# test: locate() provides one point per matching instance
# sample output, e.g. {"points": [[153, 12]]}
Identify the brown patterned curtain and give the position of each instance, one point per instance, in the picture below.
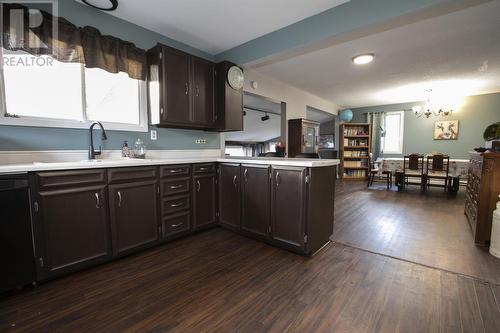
{"points": [[69, 43]]}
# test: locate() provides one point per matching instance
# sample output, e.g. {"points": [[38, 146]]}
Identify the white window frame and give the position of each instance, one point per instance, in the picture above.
{"points": [[68, 123], [401, 133]]}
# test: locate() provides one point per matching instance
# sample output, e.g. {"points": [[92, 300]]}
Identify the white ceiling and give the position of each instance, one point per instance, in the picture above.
{"points": [[217, 25], [455, 54]]}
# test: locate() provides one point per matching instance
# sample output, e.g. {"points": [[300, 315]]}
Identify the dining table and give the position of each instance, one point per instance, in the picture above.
{"points": [[458, 169]]}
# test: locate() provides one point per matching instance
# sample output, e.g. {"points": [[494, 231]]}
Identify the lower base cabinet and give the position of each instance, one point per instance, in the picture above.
{"points": [[204, 201], [134, 215], [288, 207], [255, 200], [229, 196], [70, 221]]}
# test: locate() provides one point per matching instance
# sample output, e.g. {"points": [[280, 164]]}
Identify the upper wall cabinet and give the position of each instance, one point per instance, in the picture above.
{"points": [[229, 97], [184, 93], [181, 89]]}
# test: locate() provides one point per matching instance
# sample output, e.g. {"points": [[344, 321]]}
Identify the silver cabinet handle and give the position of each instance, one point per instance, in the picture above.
{"points": [[197, 91], [176, 205], [177, 225], [176, 170], [119, 199], [245, 175], [175, 187], [97, 201], [198, 186], [202, 169], [234, 181], [277, 178], [187, 88]]}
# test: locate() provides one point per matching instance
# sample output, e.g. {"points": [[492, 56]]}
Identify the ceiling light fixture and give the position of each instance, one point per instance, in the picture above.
{"points": [[363, 59], [430, 109], [266, 117], [107, 5]]}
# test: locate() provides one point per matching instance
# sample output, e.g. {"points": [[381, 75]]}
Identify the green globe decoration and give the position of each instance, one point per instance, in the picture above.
{"points": [[346, 115], [492, 132]]}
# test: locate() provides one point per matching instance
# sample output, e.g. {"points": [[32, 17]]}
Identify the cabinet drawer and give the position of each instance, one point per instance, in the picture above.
{"points": [[175, 224], [119, 175], [174, 170], [204, 168], [172, 186], [172, 205], [55, 179]]}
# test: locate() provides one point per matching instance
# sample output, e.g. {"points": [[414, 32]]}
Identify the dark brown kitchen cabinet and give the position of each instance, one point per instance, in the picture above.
{"points": [[255, 203], [229, 101], [181, 89], [288, 207], [203, 85], [229, 195], [71, 226], [204, 200], [134, 215], [303, 137]]}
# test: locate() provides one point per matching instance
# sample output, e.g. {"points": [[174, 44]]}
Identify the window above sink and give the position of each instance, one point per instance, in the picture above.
{"points": [[41, 91]]}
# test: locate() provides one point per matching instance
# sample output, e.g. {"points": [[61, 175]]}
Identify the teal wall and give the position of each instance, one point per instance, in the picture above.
{"points": [[474, 116], [39, 138]]}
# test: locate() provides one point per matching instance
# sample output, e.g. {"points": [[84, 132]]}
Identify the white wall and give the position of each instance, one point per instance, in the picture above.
{"points": [[296, 100]]}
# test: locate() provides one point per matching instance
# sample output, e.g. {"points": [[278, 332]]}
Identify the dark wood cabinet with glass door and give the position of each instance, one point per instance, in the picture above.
{"points": [[303, 137]]}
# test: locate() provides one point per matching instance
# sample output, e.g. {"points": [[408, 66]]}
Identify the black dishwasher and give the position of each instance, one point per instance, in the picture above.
{"points": [[16, 245]]}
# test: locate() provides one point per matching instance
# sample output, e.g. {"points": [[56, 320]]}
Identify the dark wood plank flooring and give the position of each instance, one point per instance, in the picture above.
{"points": [[429, 228], [218, 281]]}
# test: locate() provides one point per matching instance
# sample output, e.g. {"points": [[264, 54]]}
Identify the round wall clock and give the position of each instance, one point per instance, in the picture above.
{"points": [[235, 77]]}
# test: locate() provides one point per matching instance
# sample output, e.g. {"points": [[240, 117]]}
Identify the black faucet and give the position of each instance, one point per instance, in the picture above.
{"points": [[92, 152]]}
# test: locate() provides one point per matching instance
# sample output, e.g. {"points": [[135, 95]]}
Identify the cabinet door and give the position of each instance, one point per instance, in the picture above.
{"points": [[255, 203], [204, 200], [74, 229], [288, 207], [229, 195], [203, 92], [175, 84], [134, 215]]}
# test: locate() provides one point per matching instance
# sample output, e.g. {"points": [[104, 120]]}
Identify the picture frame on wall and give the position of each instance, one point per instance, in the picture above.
{"points": [[446, 130], [327, 141]]}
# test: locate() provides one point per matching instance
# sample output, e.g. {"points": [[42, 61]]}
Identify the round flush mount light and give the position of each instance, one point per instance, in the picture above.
{"points": [[363, 59], [107, 5]]}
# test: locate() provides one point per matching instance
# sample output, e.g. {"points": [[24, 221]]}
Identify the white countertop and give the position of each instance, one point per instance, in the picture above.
{"points": [[115, 163]]}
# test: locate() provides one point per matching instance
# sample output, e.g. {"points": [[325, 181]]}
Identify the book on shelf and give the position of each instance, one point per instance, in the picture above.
{"points": [[355, 153], [354, 173], [355, 130], [355, 164], [355, 142]]}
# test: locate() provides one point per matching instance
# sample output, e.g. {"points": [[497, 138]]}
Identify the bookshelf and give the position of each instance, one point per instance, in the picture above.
{"points": [[355, 143]]}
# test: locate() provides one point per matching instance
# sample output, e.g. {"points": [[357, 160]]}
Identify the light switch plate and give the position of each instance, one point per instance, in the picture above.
{"points": [[201, 141], [154, 135]]}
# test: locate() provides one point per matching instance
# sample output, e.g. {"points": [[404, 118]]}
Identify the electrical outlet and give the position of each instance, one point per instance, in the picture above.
{"points": [[154, 135], [201, 141]]}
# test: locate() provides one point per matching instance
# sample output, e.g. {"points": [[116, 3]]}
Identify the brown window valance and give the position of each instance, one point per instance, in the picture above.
{"points": [[71, 44]]}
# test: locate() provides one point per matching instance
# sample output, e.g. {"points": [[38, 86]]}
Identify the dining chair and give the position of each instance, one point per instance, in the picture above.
{"points": [[413, 168], [376, 174], [438, 168]]}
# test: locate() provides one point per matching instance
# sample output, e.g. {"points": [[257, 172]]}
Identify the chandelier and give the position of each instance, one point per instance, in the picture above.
{"points": [[429, 110]]}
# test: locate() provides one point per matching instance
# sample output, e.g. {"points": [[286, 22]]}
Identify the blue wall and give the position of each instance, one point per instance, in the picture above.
{"points": [[474, 116], [39, 138]]}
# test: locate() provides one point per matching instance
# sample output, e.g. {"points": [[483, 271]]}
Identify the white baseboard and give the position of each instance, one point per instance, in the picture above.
{"points": [[26, 157]]}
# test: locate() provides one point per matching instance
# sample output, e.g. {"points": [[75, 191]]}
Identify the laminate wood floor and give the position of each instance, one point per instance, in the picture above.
{"points": [[218, 281], [429, 229]]}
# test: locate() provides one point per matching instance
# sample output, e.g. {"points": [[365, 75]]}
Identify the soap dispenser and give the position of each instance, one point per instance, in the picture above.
{"points": [[125, 150]]}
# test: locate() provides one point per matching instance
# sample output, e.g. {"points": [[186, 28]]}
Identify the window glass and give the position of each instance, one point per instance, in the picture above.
{"points": [[111, 97], [393, 140], [40, 86]]}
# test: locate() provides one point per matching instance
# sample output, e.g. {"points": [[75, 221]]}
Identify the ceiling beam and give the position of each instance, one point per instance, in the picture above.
{"points": [[349, 21]]}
